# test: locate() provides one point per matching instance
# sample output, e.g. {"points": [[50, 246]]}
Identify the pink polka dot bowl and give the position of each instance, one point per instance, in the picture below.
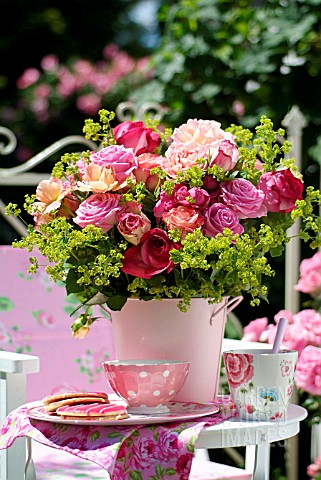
{"points": [[146, 385]]}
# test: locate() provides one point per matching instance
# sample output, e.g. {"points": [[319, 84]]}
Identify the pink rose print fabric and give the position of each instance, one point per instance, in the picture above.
{"points": [[239, 368], [131, 451]]}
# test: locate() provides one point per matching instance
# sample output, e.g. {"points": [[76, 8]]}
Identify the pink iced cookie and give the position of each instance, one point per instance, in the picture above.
{"points": [[99, 411]]}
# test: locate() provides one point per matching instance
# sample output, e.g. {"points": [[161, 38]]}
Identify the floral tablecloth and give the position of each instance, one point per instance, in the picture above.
{"points": [[135, 452]]}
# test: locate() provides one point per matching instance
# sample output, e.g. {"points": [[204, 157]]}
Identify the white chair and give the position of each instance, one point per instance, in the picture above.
{"points": [[14, 368]]}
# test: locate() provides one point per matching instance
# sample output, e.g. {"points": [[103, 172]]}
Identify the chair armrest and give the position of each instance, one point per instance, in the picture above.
{"points": [[11, 362]]}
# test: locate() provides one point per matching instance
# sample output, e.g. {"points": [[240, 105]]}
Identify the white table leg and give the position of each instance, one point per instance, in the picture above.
{"points": [[262, 462], [30, 473]]}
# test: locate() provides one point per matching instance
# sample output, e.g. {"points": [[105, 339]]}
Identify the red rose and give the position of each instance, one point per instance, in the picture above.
{"points": [[239, 368], [150, 256], [281, 189], [135, 135]]}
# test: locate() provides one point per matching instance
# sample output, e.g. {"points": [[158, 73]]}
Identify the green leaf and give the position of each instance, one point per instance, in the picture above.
{"points": [[170, 471], [135, 475], [94, 436], [116, 302], [160, 470]]}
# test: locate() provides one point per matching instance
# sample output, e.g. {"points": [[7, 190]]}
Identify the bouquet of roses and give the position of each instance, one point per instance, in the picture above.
{"points": [[157, 214]]}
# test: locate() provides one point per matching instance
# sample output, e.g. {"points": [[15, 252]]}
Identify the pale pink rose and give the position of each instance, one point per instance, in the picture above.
{"points": [[67, 82], [309, 322], [121, 159], [145, 162], [181, 157], [284, 314], [252, 332], [51, 192], [186, 219], [239, 368], [99, 179], [101, 209], [200, 133], [225, 155], [218, 217], [243, 198], [308, 370], [28, 78], [282, 189], [133, 226]]}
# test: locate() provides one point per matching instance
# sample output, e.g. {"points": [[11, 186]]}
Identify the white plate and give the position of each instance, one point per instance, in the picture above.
{"points": [[178, 411]]}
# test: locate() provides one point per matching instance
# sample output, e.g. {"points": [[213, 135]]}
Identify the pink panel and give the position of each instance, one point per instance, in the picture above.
{"points": [[35, 319]]}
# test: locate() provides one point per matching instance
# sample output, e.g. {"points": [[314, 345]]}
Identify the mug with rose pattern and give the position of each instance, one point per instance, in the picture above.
{"points": [[260, 382]]}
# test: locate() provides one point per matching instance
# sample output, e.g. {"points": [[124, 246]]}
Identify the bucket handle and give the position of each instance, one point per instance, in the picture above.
{"points": [[230, 305]]}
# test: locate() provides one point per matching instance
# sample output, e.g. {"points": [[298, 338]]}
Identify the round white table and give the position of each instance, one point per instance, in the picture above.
{"points": [[255, 435]]}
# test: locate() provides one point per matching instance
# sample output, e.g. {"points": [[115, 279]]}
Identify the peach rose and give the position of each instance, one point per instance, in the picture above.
{"points": [[51, 192], [186, 219], [145, 162], [180, 158], [99, 179]]}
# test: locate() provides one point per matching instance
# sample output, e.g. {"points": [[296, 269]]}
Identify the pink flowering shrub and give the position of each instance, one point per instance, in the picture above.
{"points": [[46, 92]]}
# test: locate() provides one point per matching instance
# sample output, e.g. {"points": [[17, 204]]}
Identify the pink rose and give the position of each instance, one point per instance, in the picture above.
{"points": [[194, 197], [133, 226], [310, 276], [145, 162], [243, 198], [181, 157], [135, 135], [308, 370], [225, 155], [186, 219], [239, 368], [120, 159], [282, 189], [101, 210], [218, 217], [309, 321], [28, 78], [168, 445], [150, 256], [144, 451], [252, 332], [200, 133]]}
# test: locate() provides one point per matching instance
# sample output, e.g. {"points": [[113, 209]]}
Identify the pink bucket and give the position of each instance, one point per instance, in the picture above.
{"points": [[157, 329]]}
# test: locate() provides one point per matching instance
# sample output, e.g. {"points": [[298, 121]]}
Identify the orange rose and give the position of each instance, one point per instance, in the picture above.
{"points": [[186, 219]]}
